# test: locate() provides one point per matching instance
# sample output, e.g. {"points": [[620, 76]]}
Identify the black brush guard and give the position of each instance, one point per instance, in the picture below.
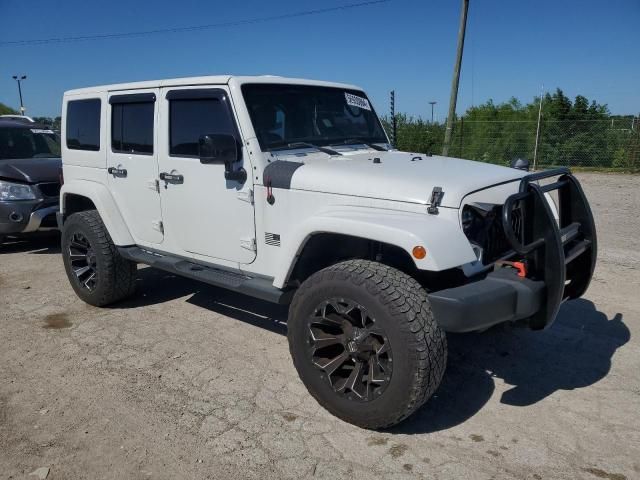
{"points": [[560, 257]]}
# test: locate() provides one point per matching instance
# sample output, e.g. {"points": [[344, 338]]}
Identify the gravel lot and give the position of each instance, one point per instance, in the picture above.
{"points": [[189, 381]]}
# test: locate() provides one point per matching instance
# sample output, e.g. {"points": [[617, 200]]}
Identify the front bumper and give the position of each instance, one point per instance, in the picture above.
{"points": [[560, 258], [27, 216], [501, 297]]}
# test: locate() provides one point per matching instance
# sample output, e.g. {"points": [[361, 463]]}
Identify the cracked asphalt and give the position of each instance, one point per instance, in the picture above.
{"points": [[189, 381]]}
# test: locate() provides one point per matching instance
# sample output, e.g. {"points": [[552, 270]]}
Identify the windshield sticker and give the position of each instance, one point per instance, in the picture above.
{"points": [[40, 130], [356, 101]]}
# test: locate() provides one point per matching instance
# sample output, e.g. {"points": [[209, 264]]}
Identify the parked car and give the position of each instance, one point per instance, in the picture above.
{"points": [[288, 190], [30, 168], [18, 118]]}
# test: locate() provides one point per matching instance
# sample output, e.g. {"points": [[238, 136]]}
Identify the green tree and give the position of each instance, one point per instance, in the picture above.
{"points": [[53, 123], [5, 110]]}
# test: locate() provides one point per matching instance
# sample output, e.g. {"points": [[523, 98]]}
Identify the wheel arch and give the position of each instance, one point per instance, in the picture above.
{"points": [[329, 237], [78, 196], [323, 249]]}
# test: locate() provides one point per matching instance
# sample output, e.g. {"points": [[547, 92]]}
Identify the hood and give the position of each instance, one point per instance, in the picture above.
{"points": [[31, 170], [399, 176]]}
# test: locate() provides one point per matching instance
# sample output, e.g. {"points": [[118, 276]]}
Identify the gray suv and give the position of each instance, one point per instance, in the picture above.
{"points": [[30, 168]]}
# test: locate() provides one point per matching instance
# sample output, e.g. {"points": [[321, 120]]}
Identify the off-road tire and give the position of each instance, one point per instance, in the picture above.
{"points": [[116, 276], [400, 305]]}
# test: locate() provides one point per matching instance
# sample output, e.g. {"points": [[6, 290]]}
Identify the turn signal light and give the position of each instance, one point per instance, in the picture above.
{"points": [[419, 252]]}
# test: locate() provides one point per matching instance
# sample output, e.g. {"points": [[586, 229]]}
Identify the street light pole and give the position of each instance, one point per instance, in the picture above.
{"points": [[432, 104], [19, 79]]}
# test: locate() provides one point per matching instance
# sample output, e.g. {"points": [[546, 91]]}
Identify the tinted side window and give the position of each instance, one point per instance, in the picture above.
{"points": [[83, 124], [132, 127], [191, 118]]}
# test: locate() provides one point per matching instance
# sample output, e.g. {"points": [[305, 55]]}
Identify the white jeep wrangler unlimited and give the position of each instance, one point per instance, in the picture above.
{"points": [[288, 190]]}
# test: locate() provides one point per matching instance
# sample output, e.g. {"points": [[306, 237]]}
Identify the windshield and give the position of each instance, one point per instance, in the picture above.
{"points": [[18, 142], [289, 114]]}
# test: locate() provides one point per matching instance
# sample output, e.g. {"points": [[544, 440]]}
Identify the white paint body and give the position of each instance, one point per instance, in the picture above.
{"points": [[213, 220]]}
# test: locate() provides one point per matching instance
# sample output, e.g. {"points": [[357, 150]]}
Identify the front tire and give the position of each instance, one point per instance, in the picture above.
{"points": [[365, 343], [96, 271]]}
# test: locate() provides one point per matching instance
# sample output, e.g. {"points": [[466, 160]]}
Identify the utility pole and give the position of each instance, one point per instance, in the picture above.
{"points": [[20, 79], [393, 118], [432, 104], [535, 148], [456, 78]]}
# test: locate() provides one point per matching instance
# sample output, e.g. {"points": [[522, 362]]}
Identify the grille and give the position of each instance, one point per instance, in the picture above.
{"points": [[495, 241], [272, 239], [51, 189]]}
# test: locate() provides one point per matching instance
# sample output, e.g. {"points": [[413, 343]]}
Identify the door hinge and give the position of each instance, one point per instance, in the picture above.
{"points": [[158, 226], [248, 243], [154, 185], [246, 196]]}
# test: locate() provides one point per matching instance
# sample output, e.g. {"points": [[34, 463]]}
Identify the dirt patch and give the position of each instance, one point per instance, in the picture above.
{"points": [[398, 450], [476, 438], [57, 321], [377, 441], [289, 417], [602, 474]]}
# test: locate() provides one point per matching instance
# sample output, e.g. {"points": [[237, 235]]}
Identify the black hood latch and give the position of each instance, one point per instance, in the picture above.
{"points": [[436, 200]]}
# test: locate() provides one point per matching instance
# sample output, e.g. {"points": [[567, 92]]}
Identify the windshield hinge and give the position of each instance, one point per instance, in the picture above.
{"points": [[436, 200], [158, 226], [246, 196], [248, 243]]}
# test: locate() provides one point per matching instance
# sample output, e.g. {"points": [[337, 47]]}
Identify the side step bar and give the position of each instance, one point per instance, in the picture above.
{"points": [[261, 288]]}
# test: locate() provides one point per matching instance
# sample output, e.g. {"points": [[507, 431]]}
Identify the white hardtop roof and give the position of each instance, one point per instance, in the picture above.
{"points": [[206, 80]]}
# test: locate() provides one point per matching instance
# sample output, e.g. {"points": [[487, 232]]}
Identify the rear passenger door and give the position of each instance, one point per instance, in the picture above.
{"points": [[132, 162]]}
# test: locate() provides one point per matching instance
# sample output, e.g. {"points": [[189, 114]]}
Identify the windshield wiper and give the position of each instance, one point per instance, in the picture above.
{"points": [[326, 150], [350, 141]]}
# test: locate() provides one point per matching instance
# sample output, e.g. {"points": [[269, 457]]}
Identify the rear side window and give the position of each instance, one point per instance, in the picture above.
{"points": [[83, 124], [132, 127], [191, 118]]}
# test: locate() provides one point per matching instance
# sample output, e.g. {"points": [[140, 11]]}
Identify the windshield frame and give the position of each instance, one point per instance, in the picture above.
{"points": [[316, 140]]}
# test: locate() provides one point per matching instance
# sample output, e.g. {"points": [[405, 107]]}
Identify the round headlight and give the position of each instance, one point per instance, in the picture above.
{"points": [[467, 219]]}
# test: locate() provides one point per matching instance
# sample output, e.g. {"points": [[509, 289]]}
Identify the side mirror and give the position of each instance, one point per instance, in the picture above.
{"points": [[221, 148], [520, 164]]}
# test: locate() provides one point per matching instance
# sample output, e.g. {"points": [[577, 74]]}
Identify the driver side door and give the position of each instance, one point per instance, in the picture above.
{"points": [[203, 213]]}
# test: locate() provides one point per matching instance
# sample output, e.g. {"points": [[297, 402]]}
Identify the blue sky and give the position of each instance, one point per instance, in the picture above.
{"points": [[585, 47]]}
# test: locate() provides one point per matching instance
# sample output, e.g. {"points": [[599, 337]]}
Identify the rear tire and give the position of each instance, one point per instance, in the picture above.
{"points": [[96, 271], [377, 322]]}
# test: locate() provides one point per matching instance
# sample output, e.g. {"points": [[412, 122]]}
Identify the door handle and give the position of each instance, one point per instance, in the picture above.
{"points": [[171, 178], [117, 172]]}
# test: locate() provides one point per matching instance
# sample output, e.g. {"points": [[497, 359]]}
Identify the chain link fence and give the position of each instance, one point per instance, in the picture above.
{"points": [[610, 144]]}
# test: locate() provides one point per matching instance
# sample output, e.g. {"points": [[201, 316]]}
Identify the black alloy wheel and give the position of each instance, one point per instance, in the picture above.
{"points": [[349, 349], [83, 261]]}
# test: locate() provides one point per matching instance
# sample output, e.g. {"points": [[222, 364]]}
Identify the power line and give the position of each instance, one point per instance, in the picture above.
{"points": [[235, 23]]}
